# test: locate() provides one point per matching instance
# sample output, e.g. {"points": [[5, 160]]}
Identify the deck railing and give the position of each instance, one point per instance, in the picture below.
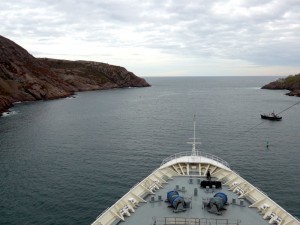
{"points": [[102, 213], [193, 221], [197, 153]]}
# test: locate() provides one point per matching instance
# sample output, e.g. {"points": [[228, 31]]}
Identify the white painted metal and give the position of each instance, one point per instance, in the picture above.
{"points": [[127, 205], [194, 138], [180, 164]]}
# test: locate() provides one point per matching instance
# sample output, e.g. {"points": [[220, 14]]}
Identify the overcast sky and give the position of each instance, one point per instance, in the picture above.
{"points": [[162, 38]]}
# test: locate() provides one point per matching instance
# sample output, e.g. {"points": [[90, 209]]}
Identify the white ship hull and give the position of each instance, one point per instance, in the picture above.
{"points": [[195, 188], [255, 206]]}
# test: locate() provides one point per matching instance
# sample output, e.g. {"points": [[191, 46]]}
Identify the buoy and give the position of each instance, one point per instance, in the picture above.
{"points": [[267, 144]]}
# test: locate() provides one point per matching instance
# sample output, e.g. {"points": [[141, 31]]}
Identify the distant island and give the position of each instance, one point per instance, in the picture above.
{"points": [[291, 83], [26, 78]]}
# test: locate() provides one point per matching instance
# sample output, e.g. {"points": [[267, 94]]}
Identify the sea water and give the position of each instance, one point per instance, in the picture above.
{"points": [[65, 161]]}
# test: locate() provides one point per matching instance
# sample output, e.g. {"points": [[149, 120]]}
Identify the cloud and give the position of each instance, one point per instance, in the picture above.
{"points": [[259, 33]]}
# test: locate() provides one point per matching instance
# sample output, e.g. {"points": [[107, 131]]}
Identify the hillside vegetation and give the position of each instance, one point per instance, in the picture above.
{"points": [[291, 83]]}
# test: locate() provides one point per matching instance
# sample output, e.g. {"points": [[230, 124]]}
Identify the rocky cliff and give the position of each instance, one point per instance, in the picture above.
{"points": [[26, 78], [291, 83], [88, 75]]}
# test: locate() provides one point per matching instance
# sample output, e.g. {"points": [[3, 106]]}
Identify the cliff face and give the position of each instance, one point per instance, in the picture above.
{"points": [[291, 83], [88, 75], [26, 78]]}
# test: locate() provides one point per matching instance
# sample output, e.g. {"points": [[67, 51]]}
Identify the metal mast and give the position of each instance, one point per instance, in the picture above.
{"points": [[194, 139]]}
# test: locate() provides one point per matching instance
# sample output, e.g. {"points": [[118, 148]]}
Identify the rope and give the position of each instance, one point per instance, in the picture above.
{"points": [[244, 132], [288, 108]]}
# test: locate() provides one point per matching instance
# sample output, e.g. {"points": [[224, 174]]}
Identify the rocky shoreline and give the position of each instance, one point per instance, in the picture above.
{"points": [[291, 83], [26, 78]]}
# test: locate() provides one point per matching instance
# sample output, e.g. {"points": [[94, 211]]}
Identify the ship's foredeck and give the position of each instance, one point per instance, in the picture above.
{"points": [[145, 203], [157, 212]]}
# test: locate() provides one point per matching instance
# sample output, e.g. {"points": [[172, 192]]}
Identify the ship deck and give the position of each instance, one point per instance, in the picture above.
{"points": [[145, 203], [158, 213]]}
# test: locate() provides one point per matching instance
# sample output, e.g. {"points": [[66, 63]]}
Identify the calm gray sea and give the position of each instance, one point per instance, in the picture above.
{"points": [[65, 161]]}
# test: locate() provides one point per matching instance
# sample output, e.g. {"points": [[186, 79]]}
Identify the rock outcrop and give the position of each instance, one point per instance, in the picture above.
{"points": [[291, 83], [26, 78], [88, 75]]}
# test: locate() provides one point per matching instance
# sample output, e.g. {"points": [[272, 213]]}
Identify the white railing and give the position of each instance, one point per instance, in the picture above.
{"points": [[197, 153], [193, 221], [102, 213]]}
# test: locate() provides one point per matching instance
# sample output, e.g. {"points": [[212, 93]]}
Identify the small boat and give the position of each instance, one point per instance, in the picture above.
{"points": [[271, 116]]}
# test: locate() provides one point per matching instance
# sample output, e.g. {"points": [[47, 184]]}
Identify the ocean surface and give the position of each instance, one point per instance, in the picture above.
{"points": [[65, 161]]}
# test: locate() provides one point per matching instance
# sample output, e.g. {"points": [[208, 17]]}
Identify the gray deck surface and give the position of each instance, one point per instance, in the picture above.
{"points": [[146, 211]]}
